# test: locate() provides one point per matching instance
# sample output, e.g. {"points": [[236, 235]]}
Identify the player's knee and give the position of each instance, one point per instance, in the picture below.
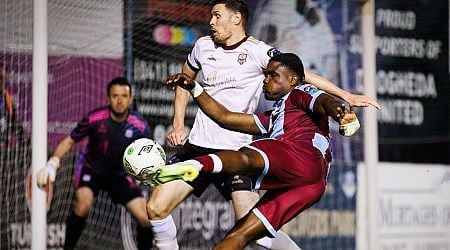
{"points": [[82, 209], [143, 222], [157, 211]]}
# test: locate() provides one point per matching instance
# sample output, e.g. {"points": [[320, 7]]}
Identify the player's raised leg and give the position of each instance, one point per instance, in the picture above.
{"points": [[228, 161]]}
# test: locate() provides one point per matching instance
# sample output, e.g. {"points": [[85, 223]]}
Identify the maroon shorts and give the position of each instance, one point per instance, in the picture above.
{"points": [[294, 177]]}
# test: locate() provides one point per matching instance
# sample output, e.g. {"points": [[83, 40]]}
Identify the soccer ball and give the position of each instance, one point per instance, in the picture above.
{"points": [[141, 156]]}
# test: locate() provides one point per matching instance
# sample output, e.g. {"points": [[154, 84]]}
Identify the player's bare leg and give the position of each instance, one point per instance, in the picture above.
{"points": [[163, 200], [245, 231], [137, 209], [243, 201]]}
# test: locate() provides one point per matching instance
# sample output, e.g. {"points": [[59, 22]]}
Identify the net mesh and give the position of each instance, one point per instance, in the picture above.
{"points": [[90, 42], [85, 47]]}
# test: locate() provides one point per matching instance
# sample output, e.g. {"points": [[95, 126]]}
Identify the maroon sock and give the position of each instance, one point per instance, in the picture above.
{"points": [[207, 163]]}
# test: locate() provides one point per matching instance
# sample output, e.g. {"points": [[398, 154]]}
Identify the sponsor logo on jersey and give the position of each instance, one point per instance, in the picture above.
{"points": [[273, 52], [242, 58], [86, 178]]}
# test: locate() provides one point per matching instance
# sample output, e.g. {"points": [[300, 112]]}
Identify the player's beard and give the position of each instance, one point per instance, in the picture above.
{"points": [[220, 37], [118, 115], [216, 38]]}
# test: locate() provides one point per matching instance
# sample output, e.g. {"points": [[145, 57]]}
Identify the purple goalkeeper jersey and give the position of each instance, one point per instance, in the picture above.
{"points": [[108, 139]]}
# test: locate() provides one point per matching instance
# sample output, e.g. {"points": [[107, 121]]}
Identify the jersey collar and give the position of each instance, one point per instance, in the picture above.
{"points": [[231, 47]]}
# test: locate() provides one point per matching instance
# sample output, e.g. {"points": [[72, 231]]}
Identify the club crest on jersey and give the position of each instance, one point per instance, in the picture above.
{"points": [[128, 133], [242, 58]]}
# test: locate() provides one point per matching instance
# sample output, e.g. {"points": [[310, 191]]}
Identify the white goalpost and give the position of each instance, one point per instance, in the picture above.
{"points": [[39, 121], [370, 122]]}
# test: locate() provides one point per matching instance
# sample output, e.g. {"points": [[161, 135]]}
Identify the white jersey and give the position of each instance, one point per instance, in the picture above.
{"points": [[233, 76]]}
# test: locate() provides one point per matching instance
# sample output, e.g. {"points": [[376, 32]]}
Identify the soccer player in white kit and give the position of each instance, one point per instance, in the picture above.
{"points": [[232, 64]]}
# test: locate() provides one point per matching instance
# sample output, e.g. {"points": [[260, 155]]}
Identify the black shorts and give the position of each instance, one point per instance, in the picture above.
{"points": [[121, 189], [224, 183]]}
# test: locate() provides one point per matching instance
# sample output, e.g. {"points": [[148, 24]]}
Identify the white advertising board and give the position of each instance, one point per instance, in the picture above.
{"points": [[413, 206]]}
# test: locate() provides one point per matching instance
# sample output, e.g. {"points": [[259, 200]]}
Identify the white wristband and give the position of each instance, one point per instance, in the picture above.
{"points": [[54, 161], [197, 90]]}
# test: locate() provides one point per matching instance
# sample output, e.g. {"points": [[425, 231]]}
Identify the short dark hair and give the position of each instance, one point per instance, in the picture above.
{"points": [[292, 62], [239, 6], [122, 81]]}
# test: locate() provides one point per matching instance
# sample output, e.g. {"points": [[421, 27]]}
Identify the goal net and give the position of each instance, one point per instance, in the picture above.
{"points": [[85, 44], [91, 42]]}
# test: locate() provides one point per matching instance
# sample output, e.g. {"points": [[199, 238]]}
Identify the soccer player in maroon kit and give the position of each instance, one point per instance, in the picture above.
{"points": [[291, 163]]}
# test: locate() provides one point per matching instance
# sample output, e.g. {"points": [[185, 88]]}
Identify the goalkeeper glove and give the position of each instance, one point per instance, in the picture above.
{"points": [[48, 172]]}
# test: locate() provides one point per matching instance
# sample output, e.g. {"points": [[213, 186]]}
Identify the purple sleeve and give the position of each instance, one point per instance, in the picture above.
{"points": [[81, 130]]}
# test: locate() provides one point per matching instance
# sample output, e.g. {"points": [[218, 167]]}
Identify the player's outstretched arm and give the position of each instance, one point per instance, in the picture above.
{"points": [[217, 112], [348, 122], [327, 86]]}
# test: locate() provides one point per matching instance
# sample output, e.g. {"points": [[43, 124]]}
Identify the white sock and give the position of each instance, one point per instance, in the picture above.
{"points": [[165, 233], [282, 241], [217, 163]]}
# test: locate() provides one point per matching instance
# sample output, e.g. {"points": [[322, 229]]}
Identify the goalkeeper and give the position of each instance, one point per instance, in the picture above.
{"points": [[110, 130]]}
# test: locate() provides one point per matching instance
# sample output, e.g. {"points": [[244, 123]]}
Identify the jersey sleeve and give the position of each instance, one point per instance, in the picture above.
{"points": [[264, 53], [193, 57], [81, 130], [305, 96], [262, 120]]}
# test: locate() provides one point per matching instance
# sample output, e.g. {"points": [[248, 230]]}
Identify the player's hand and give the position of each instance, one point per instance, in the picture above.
{"points": [[348, 123], [176, 136], [48, 172], [360, 101], [182, 80]]}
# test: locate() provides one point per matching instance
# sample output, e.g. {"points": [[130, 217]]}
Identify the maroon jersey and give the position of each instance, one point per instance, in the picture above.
{"points": [[296, 156], [292, 119]]}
